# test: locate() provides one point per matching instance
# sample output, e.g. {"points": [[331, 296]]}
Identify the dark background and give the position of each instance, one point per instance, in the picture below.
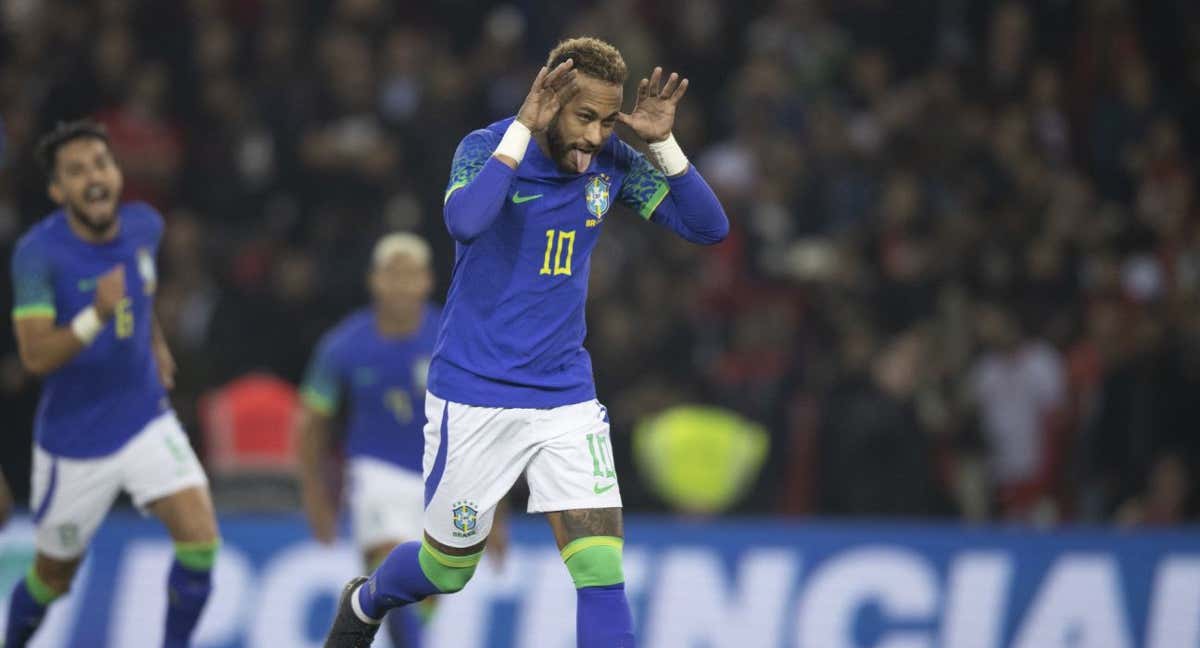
{"points": [[964, 274]]}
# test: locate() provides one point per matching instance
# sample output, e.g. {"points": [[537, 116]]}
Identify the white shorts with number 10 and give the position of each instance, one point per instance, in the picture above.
{"points": [[474, 455]]}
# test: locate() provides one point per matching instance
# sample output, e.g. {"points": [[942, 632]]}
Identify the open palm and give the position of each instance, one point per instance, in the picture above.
{"points": [[551, 89], [653, 113]]}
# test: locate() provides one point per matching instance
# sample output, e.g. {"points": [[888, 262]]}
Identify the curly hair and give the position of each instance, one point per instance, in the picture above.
{"points": [[592, 57], [46, 151]]}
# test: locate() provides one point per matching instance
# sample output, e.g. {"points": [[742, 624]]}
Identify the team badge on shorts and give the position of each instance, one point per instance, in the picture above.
{"points": [[596, 196], [465, 517]]}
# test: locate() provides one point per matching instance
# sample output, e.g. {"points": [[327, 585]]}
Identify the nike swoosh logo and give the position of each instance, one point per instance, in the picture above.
{"points": [[518, 198], [600, 491]]}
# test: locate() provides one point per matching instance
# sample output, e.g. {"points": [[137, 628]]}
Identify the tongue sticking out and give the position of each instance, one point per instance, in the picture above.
{"points": [[579, 160]]}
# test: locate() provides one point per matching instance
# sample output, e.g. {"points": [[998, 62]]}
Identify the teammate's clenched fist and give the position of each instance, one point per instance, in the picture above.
{"points": [[110, 290]]}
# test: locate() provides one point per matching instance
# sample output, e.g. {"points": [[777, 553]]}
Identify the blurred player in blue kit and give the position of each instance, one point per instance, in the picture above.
{"points": [[84, 283], [375, 362], [510, 384]]}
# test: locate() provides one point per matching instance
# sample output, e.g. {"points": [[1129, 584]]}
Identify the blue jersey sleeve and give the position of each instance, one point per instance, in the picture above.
{"points": [[33, 288], [478, 185], [685, 204], [472, 154], [322, 387], [692, 210], [644, 186]]}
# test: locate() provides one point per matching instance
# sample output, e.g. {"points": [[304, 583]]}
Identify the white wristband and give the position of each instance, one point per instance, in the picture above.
{"points": [[668, 156], [87, 325], [514, 142]]}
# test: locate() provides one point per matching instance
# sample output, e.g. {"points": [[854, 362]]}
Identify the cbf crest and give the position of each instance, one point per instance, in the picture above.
{"points": [[598, 197], [465, 517]]}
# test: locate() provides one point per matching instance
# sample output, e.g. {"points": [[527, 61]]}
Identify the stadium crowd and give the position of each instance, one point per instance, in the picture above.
{"points": [[964, 277]]}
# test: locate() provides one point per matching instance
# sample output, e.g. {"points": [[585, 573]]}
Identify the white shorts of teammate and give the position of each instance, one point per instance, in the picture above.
{"points": [[474, 455], [384, 501], [71, 496]]}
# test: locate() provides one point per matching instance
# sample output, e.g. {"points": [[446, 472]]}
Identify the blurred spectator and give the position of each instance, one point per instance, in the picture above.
{"points": [[6, 501], [875, 456], [1164, 500], [150, 148], [1018, 386]]}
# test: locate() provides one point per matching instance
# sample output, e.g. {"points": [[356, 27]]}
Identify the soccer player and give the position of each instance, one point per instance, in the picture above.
{"points": [[377, 357], [510, 385], [84, 294]]}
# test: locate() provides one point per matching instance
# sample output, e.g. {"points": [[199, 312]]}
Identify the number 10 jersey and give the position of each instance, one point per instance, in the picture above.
{"points": [[513, 326]]}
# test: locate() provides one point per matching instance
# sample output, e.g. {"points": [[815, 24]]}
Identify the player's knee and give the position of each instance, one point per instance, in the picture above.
{"points": [[46, 589], [197, 556], [49, 579], [448, 573], [594, 561]]}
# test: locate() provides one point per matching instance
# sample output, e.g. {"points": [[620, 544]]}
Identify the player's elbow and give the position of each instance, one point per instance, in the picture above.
{"points": [[460, 233], [33, 362], [722, 231], [715, 235], [460, 228]]}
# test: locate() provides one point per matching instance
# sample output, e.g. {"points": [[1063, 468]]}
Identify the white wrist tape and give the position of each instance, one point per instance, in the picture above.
{"points": [[87, 325], [514, 142], [668, 156]]}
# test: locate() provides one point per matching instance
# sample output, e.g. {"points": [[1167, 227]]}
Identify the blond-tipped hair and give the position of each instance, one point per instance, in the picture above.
{"points": [[592, 57], [402, 243]]}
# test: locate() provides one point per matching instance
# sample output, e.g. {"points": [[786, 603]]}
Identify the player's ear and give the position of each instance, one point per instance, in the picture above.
{"points": [[372, 280], [426, 279], [56, 192]]}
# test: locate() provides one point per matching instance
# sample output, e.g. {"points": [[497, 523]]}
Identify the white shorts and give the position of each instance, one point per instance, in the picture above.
{"points": [[71, 496], [473, 456], [385, 502]]}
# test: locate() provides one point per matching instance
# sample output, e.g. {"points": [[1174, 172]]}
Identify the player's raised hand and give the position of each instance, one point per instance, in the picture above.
{"points": [[110, 290], [551, 89], [653, 114]]}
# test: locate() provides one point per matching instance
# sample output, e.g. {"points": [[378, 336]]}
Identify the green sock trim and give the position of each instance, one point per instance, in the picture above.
{"points": [[448, 573], [579, 544], [41, 592], [447, 560], [594, 561], [197, 556]]}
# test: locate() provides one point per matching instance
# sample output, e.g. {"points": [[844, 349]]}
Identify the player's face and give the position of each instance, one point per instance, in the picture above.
{"points": [[401, 285], [583, 125], [87, 181]]}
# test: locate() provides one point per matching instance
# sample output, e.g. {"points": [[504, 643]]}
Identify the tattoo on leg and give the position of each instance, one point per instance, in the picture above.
{"points": [[581, 523]]}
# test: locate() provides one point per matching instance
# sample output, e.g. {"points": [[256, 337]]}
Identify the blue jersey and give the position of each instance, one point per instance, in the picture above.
{"points": [[108, 392], [513, 330], [383, 380]]}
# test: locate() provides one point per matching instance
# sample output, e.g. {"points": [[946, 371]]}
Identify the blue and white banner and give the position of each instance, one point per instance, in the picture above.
{"points": [[738, 584]]}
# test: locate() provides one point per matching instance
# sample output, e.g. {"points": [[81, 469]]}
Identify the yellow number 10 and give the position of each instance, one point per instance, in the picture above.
{"points": [[124, 318], [560, 268]]}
